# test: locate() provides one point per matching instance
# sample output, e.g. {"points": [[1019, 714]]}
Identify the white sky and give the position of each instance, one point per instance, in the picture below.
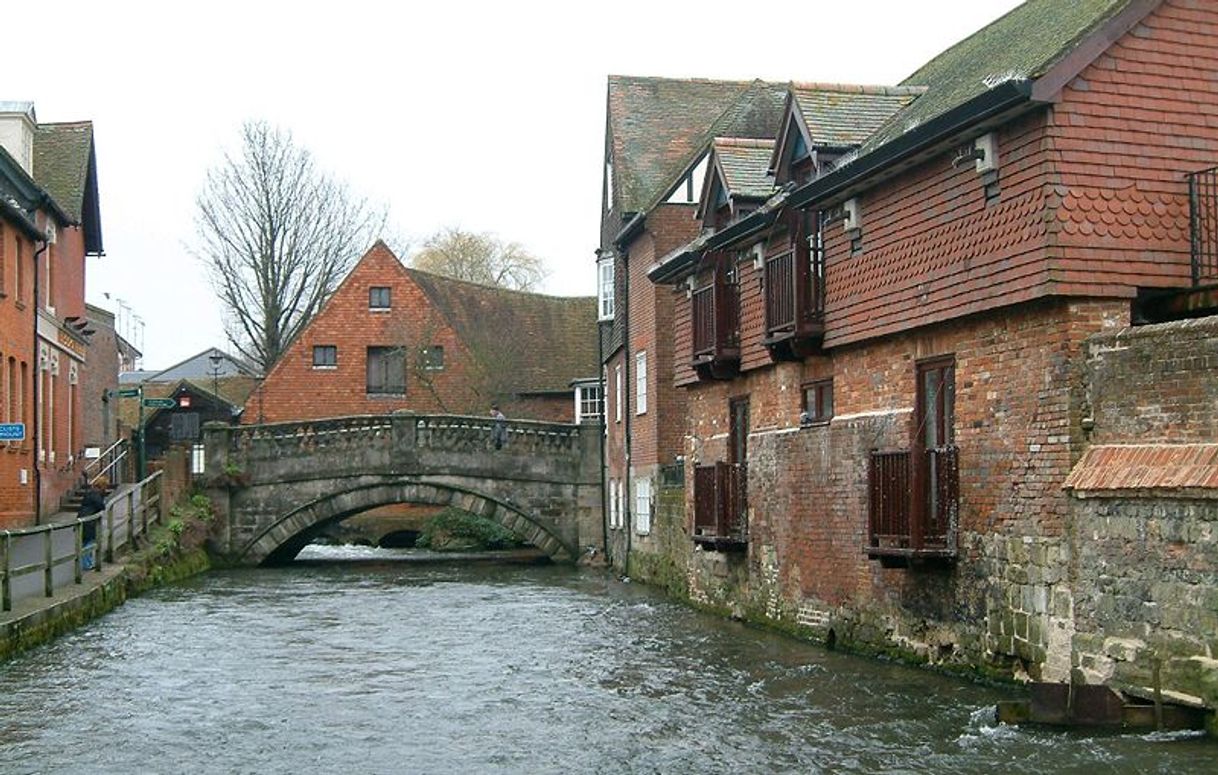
{"points": [[486, 116]]}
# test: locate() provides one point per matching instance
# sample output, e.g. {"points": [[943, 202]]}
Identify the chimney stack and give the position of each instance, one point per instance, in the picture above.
{"points": [[17, 124]]}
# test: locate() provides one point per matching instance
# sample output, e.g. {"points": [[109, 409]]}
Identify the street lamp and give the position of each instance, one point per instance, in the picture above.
{"points": [[215, 359]]}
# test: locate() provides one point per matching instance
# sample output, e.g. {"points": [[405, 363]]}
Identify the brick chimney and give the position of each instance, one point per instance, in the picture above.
{"points": [[17, 124]]}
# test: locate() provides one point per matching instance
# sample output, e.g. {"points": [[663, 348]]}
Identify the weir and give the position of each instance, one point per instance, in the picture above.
{"points": [[276, 486]]}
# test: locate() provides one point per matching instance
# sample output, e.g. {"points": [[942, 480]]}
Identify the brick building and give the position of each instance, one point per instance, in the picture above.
{"points": [[51, 184], [655, 158], [882, 360], [395, 338]]}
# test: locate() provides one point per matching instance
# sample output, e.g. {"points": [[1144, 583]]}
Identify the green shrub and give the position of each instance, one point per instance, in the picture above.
{"points": [[455, 530]]}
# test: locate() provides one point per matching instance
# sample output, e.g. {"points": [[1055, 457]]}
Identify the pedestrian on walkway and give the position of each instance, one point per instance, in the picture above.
{"points": [[93, 502], [499, 431]]}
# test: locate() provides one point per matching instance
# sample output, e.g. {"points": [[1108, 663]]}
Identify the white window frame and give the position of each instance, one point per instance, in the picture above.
{"points": [[581, 392], [640, 383], [642, 505], [605, 279], [617, 393], [615, 505]]}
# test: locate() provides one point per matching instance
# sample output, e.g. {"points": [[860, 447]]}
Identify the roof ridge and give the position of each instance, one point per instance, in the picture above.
{"points": [[668, 79], [483, 286], [858, 88], [743, 142]]}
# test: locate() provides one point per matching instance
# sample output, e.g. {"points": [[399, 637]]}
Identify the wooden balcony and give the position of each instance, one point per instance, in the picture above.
{"points": [[720, 507], [716, 323], [913, 504], [795, 300]]}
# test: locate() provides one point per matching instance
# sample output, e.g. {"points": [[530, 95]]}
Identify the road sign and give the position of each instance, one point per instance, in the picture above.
{"points": [[160, 403], [12, 431], [128, 392]]}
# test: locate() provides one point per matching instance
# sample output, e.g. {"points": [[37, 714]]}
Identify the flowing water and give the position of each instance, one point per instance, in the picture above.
{"points": [[363, 663]]}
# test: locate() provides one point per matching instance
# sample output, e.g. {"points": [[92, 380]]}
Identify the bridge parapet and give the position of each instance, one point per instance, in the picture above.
{"points": [[464, 433], [274, 441]]}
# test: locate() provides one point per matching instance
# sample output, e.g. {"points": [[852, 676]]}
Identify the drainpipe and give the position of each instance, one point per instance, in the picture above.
{"points": [[628, 506], [600, 349], [37, 371]]}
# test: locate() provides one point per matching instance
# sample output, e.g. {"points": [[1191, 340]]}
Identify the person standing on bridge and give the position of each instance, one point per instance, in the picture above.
{"points": [[499, 430]]}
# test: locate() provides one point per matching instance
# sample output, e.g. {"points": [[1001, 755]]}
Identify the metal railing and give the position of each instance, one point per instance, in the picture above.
{"points": [[39, 560], [108, 465], [1203, 225]]}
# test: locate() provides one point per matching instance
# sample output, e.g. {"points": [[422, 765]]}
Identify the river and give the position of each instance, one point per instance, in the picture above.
{"points": [[360, 662]]}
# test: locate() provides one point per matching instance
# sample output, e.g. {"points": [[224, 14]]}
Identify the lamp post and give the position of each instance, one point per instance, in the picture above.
{"points": [[215, 359]]}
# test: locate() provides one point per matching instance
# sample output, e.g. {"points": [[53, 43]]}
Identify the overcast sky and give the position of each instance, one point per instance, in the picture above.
{"points": [[489, 117]]}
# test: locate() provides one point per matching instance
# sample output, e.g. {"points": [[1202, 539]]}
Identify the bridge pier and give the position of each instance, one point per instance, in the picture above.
{"points": [[275, 486]]}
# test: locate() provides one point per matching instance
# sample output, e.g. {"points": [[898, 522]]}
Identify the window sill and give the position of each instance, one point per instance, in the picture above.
{"points": [[324, 368], [380, 309], [385, 394], [816, 423]]}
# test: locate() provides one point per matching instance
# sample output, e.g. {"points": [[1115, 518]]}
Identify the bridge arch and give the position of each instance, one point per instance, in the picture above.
{"points": [[289, 533]]}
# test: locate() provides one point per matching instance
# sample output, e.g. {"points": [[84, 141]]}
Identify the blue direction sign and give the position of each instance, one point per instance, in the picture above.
{"points": [[12, 431]]}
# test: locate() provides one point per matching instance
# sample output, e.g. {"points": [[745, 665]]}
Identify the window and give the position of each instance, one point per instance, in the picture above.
{"points": [[615, 505], [184, 426], [386, 371], [640, 383], [432, 358], [378, 297], [325, 356], [605, 280], [642, 505], [19, 267], [817, 402], [589, 403], [198, 460], [617, 393], [3, 263]]}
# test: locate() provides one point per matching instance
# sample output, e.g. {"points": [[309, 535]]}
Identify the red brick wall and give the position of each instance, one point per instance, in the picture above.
{"points": [[1124, 135], [1018, 412], [16, 398], [295, 390]]}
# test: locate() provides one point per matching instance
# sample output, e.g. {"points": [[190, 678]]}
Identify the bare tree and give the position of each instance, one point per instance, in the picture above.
{"points": [[278, 235], [479, 258]]}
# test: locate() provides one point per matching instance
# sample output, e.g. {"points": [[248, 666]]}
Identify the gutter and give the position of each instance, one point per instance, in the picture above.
{"points": [[988, 104]]}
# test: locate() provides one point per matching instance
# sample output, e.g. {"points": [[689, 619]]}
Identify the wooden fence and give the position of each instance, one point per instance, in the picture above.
{"points": [[39, 560]]}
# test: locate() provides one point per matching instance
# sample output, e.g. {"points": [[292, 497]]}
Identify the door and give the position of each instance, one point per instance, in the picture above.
{"points": [[934, 452]]}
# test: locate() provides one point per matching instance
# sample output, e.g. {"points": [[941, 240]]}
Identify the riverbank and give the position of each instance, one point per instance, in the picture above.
{"points": [[172, 552]]}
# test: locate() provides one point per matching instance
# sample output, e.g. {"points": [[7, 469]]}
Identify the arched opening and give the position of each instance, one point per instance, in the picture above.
{"points": [[279, 543]]}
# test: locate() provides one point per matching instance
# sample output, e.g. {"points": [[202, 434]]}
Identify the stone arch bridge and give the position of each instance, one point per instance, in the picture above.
{"points": [[276, 486]]}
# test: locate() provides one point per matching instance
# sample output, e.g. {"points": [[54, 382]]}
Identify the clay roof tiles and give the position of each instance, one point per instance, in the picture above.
{"points": [[844, 115], [61, 163], [745, 163], [547, 341], [1023, 44], [659, 126]]}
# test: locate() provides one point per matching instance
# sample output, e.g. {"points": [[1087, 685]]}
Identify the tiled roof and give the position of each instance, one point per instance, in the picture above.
{"points": [[744, 163], [844, 115], [1180, 467], [1023, 44], [233, 390], [658, 126], [61, 163], [546, 341]]}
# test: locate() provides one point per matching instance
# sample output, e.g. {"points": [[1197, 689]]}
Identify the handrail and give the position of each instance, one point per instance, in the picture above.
{"points": [[120, 531], [115, 458]]}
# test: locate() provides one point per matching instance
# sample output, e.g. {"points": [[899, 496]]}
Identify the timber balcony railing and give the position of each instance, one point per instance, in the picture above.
{"points": [[720, 506], [794, 304], [716, 318], [1203, 220], [913, 508]]}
